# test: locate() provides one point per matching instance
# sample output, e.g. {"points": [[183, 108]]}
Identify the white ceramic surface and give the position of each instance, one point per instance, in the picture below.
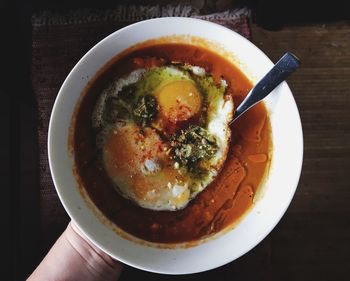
{"points": [[278, 189]]}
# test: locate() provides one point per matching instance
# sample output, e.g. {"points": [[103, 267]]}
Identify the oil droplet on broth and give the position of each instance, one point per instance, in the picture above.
{"points": [[258, 158]]}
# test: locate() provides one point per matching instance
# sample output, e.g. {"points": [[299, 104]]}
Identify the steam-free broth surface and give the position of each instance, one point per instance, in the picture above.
{"points": [[224, 201]]}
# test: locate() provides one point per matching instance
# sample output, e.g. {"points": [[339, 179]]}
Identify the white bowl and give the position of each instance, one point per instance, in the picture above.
{"points": [[278, 189]]}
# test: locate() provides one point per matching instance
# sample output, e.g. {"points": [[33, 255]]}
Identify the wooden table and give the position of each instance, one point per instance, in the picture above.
{"points": [[312, 242]]}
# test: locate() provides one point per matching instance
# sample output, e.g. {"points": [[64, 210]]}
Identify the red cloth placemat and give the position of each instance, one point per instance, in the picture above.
{"points": [[59, 40]]}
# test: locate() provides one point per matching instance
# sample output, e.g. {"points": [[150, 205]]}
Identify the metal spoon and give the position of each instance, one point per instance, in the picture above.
{"points": [[280, 71]]}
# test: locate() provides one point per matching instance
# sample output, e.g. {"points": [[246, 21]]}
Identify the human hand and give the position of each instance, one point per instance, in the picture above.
{"points": [[74, 257]]}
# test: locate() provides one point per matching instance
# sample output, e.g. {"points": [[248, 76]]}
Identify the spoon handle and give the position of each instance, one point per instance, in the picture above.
{"points": [[279, 72]]}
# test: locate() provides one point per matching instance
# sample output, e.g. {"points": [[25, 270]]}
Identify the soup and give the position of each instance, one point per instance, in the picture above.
{"points": [[216, 206]]}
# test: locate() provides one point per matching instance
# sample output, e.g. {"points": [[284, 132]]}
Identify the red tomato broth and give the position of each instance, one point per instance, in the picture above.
{"points": [[224, 201]]}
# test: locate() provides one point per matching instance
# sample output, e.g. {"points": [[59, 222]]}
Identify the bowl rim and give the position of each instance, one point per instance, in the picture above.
{"points": [[72, 214]]}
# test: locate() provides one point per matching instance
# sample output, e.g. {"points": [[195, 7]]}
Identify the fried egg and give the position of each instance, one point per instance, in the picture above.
{"points": [[163, 133]]}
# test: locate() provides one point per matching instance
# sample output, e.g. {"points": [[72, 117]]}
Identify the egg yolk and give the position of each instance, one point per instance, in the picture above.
{"points": [[179, 100]]}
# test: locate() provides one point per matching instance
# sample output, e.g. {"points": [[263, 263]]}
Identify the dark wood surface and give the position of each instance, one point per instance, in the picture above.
{"points": [[312, 241]]}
